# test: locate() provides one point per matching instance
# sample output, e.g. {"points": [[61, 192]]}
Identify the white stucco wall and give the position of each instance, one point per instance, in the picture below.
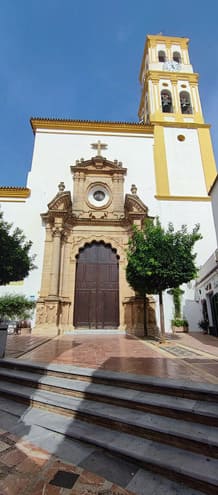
{"points": [[55, 152], [186, 177], [214, 198], [189, 213]]}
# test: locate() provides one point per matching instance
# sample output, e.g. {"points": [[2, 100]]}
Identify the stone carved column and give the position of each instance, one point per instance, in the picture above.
{"points": [[45, 282], [66, 261], [78, 194], [54, 282]]}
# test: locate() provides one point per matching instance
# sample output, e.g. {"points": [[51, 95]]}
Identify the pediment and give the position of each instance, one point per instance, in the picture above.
{"points": [[134, 205], [98, 163], [61, 202]]}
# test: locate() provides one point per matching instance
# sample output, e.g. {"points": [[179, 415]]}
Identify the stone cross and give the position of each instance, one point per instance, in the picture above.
{"points": [[99, 146]]}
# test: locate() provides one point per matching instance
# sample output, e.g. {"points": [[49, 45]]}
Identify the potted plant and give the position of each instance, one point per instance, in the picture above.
{"points": [[204, 325], [179, 325]]}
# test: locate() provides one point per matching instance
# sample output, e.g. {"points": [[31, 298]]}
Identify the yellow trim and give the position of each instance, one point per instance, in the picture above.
{"points": [[14, 192], [159, 38], [187, 125], [160, 162], [178, 118], [182, 198], [156, 75], [207, 155], [12, 201], [79, 125]]}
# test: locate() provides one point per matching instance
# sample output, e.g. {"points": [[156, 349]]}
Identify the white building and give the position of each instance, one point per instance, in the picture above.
{"points": [[168, 155], [207, 283]]}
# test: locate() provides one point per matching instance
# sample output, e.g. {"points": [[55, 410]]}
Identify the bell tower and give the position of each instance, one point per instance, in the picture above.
{"points": [[169, 84], [183, 155]]}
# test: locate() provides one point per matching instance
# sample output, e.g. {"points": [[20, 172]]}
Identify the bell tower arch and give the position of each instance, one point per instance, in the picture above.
{"points": [[183, 155]]}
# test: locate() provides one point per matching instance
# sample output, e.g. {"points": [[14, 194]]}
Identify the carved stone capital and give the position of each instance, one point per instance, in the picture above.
{"points": [[66, 234], [57, 231]]}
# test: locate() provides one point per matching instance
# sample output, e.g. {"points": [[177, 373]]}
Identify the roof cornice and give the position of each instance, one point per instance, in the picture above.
{"points": [[14, 192], [89, 125]]}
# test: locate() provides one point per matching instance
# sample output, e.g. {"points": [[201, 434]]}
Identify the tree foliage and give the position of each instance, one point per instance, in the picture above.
{"points": [[15, 260], [176, 292], [16, 307], [159, 259]]}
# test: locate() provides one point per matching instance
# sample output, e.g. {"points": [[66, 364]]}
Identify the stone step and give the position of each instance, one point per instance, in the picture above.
{"points": [[23, 422], [187, 435], [195, 470], [180, 450], [170, 406], [179, 388]]}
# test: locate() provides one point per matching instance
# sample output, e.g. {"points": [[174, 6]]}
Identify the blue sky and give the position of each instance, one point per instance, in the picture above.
{"points": [[80, 59]]}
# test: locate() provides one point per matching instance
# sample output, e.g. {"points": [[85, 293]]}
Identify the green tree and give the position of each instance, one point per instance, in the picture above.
{"points": [[16, 307], [15, 260], [159, 259]]}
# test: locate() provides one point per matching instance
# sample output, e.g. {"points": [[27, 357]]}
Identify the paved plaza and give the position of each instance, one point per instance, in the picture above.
{"points": [[184, 356], [26, 469], [34, 461]]}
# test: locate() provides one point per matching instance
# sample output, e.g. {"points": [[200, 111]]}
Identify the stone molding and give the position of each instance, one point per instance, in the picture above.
{"points": [[70, 225]]}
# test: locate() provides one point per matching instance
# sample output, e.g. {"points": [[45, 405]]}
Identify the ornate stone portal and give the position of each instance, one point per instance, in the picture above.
{"points": [[98, 215]]}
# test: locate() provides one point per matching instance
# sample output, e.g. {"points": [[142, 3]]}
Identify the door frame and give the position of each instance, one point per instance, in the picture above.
{"points": [[98, 321]]}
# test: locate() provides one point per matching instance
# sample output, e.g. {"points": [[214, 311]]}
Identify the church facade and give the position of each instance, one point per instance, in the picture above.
{"points": [[91, 181]]}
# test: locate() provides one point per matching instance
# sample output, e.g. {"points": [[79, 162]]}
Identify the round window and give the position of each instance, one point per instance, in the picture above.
{"points": [[180, 137], [98, 196]]}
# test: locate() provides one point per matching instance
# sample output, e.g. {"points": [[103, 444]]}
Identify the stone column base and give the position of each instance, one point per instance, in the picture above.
{"points": [[48, 311], [45, 330]]}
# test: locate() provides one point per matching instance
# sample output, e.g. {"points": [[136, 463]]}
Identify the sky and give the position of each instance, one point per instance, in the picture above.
{"points": [[80, 59]]}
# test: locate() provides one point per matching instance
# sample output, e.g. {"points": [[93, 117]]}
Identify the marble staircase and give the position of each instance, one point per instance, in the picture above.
{"points": [[167, 426]]}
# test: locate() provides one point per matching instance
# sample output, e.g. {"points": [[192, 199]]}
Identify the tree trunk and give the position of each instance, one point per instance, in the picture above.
{"points": [[162, 327], [145, 317]]}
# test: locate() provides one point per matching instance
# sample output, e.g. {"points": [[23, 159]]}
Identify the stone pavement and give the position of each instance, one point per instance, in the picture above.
{"points": [[26, 469], [183, 356], [30, 463], [31, 457], [17, 345]]}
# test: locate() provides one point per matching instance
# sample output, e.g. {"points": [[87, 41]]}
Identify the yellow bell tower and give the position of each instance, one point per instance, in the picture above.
{"points": [[170, 86], [170, 102]]}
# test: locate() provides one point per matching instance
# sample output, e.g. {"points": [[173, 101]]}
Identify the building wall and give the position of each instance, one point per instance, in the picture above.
{"points": [[214, 198], [55, 152], [207, 283], [186, 177]]}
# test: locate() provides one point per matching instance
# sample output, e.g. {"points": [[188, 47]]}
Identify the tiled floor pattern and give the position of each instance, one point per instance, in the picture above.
{"points": [[131, 355], [197, 341], [180, 351], [26, 469]]}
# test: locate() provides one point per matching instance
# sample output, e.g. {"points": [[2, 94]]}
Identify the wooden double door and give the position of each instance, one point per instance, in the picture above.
{"points": [[97, 287]]}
